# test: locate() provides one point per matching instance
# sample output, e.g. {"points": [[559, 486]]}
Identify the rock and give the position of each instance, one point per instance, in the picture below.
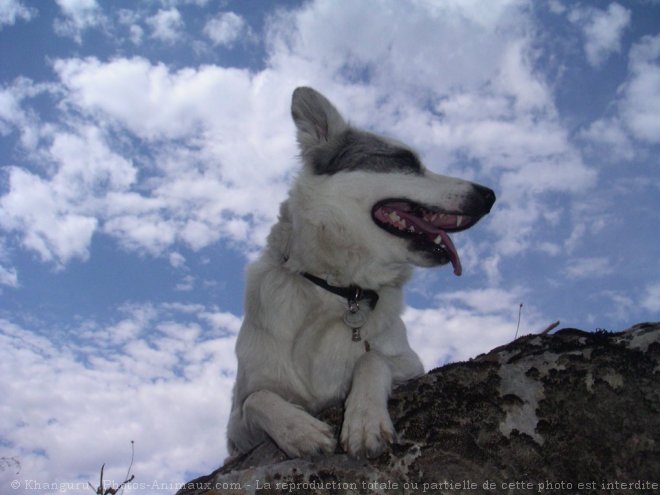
{"points": [[536, 415]]}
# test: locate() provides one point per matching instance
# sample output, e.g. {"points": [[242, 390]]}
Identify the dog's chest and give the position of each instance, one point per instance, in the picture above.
{"points": [[326, 356]]}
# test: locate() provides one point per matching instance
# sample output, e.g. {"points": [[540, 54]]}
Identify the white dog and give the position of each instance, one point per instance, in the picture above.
{"points": [[322, 305]]}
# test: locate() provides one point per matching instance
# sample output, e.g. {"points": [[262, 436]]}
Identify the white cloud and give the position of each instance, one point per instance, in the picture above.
{"points": [[651, 298], [174, 3], [462, 324], [195, 193], [10, 111], [637, 118], [136, 34], [602, 29], [166, 25], [589, 267], [611, 135], [620, 307], [78, 16], [13, 10], [14, 117], [178, 103], [187, 284], [148, 232], [151, 377], [177, 260], [640, 104], [329, 39], [489, 300], [131, 19], [556, 7], [57, 215], [8, 277], [449, 333], [206, 186], [46, 226], [225, 28]]}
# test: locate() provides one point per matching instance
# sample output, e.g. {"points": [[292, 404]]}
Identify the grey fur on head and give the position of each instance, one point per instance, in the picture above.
{"points": [[329, 145]]}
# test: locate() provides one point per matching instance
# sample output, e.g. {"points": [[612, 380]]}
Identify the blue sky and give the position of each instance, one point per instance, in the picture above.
{"points": [[145, 148]]}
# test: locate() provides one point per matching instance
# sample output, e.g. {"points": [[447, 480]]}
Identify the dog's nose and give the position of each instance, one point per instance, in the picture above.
{"points": [[487, 196]]}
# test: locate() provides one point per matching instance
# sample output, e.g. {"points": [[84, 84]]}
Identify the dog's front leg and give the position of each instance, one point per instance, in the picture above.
{"points": [[294, 430], [367, 428]]}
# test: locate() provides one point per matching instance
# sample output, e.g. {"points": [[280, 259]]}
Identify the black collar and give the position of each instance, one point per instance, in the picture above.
{"points": [[352, 293]]}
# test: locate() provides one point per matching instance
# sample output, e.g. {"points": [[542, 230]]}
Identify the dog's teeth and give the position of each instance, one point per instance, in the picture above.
{"points": [[459, 220], [437, 240], [394, 218]]}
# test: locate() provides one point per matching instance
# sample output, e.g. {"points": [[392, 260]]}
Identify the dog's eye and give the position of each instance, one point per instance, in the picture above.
{"points": [[407, 161]]}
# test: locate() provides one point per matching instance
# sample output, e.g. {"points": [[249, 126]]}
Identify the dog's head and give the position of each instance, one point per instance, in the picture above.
{"points": [[369, 191]]}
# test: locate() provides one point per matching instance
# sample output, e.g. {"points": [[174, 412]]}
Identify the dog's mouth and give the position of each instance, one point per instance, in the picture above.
{"points": [[427, 227]]}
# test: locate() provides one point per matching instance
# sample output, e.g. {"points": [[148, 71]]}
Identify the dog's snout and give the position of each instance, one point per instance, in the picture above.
{"points": [[487, 197]]}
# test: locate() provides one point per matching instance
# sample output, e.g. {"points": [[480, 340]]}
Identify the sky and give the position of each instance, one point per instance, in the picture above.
{"points": [[145, 147]]}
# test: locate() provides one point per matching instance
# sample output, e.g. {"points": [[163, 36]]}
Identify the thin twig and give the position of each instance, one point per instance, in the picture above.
{"points": [[129, 467], [110, 490], [518, 326]]}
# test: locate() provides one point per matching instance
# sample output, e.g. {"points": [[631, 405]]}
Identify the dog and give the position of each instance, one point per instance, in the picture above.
{"points": [[323, 301]]}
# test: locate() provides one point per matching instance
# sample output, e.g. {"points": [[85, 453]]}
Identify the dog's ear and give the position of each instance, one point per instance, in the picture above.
{"points": [[317, 120]]}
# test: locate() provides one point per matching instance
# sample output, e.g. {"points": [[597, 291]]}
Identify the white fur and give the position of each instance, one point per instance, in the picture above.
{"points": [[295, 353]]}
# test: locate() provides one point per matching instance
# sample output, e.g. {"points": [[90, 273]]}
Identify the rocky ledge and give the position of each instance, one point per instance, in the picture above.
{"points": [[572, 412]]}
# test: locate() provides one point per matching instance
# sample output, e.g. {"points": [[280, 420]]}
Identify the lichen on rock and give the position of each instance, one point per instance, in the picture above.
{"points": [[543, 412]]}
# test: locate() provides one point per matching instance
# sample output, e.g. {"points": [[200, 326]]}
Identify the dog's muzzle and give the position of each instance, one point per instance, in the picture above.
{"points": [[428, 227]]}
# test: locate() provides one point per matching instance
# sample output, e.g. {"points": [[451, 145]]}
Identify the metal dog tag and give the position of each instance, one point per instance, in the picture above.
{"points": [[355, 319]]}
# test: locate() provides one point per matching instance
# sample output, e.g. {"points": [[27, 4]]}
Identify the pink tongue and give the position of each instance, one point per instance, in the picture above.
{"points": [[451, 249], [432, 233]]}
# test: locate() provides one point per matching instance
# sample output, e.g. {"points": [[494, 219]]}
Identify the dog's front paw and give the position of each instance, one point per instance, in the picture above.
{"points": [[302, 435], [367, 431]]}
